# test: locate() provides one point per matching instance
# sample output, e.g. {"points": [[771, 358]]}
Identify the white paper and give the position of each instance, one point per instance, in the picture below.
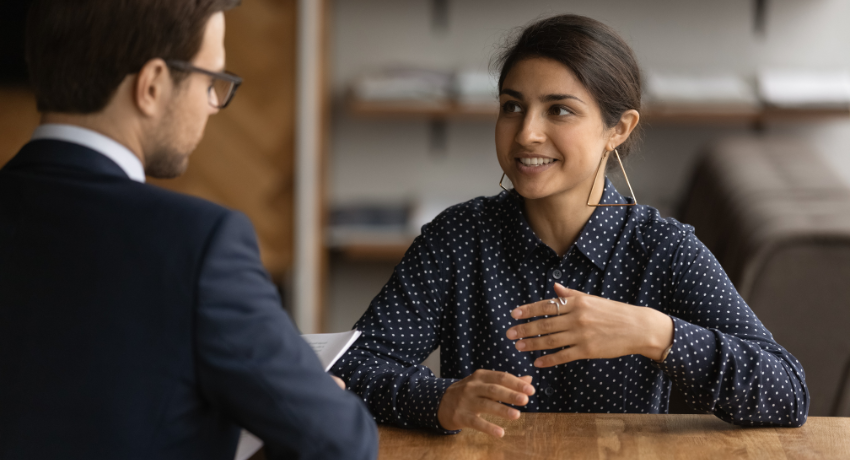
{"points": [[329, 347], [248, 445]]}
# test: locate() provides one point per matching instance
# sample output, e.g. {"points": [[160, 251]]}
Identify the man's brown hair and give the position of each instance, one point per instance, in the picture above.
{"points": [[79, 51]]}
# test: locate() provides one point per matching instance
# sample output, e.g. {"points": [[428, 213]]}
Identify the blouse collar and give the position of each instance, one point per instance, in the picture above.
{"points": [[596, 240]]}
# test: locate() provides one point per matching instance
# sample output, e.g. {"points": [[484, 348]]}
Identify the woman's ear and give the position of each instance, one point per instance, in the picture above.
{"points": [[623, 129]]}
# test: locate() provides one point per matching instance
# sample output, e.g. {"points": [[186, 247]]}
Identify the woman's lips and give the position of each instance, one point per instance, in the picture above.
{"points": [[534, 169]]}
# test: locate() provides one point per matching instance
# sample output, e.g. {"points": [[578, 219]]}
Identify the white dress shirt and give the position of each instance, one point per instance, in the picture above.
{"points": [[116, 152]]}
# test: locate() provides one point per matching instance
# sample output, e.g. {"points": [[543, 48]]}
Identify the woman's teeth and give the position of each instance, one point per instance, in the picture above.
{"points": [[535, 161]]}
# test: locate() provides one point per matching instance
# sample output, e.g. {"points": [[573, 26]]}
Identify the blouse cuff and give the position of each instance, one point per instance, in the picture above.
{"points": [[425, 398], [691, 361]]}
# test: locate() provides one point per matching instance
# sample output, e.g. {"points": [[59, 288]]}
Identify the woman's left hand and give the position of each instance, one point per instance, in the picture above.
{"points": [[592, 328]]}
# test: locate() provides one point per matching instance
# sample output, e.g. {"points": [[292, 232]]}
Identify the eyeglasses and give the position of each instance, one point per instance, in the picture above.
{"points": [[223, 87]]}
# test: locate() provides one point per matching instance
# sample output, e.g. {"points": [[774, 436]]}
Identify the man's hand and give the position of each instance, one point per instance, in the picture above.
{"points": [[483, 392], [592, 328], [338, 381]]}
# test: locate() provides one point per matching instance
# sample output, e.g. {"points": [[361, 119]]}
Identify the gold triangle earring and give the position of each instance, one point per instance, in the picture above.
{"points": [[502, 180], [600, 169]]}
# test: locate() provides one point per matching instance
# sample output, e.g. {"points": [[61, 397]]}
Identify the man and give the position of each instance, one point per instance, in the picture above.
{"points": [[136, 323]]}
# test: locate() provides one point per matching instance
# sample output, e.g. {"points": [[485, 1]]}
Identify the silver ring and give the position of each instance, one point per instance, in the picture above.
{"points": [[558, 307], [563, 300]]}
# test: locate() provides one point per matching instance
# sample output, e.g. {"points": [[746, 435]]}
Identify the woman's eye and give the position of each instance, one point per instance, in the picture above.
{"points": [[559, 110], [511, 107]]}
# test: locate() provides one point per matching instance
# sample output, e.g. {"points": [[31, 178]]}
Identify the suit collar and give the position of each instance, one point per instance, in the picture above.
{"points": [[115, 151], [60, 157]]}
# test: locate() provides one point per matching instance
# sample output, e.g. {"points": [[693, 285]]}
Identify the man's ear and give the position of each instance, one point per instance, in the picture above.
{"points": [[153, 88], [623, 129]]}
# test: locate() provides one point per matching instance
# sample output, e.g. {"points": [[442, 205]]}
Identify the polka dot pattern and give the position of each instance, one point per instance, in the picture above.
{"points": [[477, 261]]}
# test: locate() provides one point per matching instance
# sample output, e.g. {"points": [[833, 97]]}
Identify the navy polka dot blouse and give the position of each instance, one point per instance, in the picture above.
{"points": [[477, 261]]}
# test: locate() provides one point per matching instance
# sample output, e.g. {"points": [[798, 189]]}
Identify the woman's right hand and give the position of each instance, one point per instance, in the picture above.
{"points": [[483, 392]]}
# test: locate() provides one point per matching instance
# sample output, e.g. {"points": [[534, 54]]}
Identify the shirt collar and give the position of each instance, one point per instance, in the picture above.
{"points": [[599, 236], [121, 155], [596, 240]]}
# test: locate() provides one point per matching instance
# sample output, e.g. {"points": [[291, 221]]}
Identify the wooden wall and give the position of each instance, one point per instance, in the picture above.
{"points": [[245, 161], [18, 118]]}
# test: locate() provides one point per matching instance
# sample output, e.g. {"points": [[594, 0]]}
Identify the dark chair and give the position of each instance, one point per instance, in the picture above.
{"points": [[778, 221]]}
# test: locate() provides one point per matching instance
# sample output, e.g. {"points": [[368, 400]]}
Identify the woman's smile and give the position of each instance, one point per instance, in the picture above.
{"points": [[534, 164]]}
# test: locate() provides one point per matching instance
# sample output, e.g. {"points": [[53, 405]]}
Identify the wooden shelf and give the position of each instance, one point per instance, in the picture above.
{"points": [[448, 109], [804, 114], [369, 245], [708, 117], [392, 252], [445, 109]]}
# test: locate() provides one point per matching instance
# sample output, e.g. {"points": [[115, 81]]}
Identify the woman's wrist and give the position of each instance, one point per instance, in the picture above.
{"points": [[657, 333]]}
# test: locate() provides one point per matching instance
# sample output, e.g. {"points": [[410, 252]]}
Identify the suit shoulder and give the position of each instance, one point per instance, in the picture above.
{"points": [[176, 213], [175, 202]]}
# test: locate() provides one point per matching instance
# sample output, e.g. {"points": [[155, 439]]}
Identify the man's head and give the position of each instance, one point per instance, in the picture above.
{"points": [[102, 64]]}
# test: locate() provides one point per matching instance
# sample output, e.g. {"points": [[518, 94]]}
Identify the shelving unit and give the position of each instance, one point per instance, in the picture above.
{"points": [[438, 126], [449, 110], [421, 109], [380, 247], [374, 252]]}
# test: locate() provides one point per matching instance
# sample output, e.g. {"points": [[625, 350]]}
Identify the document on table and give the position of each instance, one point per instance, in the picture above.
{"points": [[248, 445], [329, 348]]}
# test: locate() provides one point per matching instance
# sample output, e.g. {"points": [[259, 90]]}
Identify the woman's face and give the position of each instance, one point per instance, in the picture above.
{"points": [[550, 136]]}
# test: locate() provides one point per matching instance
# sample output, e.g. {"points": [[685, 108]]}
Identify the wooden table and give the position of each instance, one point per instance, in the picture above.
{"points": [[608, 436]]}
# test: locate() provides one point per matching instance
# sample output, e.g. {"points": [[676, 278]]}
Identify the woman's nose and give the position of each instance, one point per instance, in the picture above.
{"points": [[531, 132]]}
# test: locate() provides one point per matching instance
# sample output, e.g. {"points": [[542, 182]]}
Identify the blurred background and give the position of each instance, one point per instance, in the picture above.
{"points": [[360, 120]]}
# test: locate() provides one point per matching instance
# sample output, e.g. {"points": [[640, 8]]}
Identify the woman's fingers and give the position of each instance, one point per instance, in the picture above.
{"points": [[480, 406], [473, 421], [564, 356], [483, 392], [488, 406], [496, 392], [549, 307], [547, 342], [539, 327], [508, 383], [339, 382], [563, 291]]}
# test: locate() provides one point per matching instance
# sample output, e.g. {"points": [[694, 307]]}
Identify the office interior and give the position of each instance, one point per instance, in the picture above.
{"points": [[360, 120]]}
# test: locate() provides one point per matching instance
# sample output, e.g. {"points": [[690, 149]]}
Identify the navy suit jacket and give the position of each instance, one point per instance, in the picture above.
{"points": [[137, 323]]}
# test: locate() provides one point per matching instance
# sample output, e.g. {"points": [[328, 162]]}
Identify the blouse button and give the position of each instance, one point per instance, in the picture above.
{"points": [[556, 274], [549, 391]]}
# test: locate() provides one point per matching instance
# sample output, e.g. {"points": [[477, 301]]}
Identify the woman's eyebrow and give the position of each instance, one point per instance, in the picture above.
{"points": [[512, 93], [559, 97], [547, 98]]}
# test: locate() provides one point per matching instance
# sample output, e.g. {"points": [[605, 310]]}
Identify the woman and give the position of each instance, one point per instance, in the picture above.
{"points": [[562, 295]]}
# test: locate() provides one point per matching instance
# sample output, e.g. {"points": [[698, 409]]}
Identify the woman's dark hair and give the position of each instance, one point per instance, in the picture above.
{"points": [[598, 56], [79, 51]]}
